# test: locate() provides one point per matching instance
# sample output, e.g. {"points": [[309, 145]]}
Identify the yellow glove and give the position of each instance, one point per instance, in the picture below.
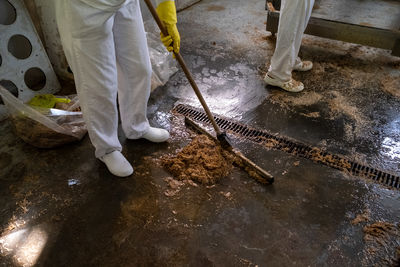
{"points": [[47, 101], [167, 13]]}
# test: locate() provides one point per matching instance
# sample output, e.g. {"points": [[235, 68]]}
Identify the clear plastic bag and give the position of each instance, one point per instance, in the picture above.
{"points": [[164, 66], [44, 127]]}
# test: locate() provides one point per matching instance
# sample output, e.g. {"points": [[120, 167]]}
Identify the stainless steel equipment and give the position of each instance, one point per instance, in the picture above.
{"points": [[373, 23]]}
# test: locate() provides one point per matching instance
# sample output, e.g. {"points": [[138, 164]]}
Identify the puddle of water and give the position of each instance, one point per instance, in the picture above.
{"points": [[388, 154], [391, 148], [231, 91]]}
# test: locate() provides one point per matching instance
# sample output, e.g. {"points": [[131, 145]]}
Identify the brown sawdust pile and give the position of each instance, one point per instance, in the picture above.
{"points": [[381, 236], [379, 231], [202, 160]]}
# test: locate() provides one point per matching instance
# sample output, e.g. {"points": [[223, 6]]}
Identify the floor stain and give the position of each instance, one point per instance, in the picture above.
{"points": [[215, 8]]}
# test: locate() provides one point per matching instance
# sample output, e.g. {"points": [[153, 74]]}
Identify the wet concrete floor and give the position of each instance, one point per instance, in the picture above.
{"points": [[61, 207]]}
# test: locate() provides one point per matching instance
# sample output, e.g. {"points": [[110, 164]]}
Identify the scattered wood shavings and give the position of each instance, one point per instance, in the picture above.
{"points": [[312, 114], [391, 84], [172, 183], [190, 182], [228, 195], [382, 240], [174, 186], [364, 217], [170, 193], [379, 231]]}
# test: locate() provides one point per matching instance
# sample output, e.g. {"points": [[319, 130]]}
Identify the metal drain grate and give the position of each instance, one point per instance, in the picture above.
{"points": [[315, 154]]}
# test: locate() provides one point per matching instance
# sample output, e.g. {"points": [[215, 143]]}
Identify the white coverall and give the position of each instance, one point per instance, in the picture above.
{"points": [[293, 20], [96, 36]]}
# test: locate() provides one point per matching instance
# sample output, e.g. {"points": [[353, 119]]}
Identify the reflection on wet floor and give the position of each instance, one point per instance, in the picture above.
{"points": [[391, 144], [72, 182], [25, 245], [61, 207], [391, 148], [232, 92]]}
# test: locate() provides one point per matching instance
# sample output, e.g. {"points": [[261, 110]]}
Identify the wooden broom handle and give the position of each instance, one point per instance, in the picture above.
{"points": [[185, 69]]}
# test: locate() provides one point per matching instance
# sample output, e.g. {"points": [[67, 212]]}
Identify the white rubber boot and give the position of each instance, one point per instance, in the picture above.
{"points": [[303, 66], [156, 135], [290, 86], [117, 164]]}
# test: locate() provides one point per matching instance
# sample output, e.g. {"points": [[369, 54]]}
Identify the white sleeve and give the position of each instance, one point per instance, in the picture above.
{"points": [[160, 1]]}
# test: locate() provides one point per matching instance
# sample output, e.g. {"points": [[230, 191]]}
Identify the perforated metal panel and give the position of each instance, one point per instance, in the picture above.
{"points": [[25, 69]]}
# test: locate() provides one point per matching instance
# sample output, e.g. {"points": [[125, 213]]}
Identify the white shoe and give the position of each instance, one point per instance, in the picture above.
{"points": [[304, 66], [290, 86], [117, 164], [156, 135]]}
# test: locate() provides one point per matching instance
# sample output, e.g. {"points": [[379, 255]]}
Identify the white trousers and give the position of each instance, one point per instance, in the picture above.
{"points": [[293, 20], [95, 42]]}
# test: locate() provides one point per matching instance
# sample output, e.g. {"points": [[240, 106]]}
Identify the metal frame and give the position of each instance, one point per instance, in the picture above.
{"points": [[347, 32], [13, 69]]}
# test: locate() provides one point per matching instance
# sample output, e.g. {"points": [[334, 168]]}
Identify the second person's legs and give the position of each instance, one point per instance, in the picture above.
{"points": [[293, 20]]}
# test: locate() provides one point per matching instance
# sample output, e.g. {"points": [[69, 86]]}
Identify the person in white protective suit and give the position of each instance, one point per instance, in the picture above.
{"points": [[293, 20], [98, 35]]}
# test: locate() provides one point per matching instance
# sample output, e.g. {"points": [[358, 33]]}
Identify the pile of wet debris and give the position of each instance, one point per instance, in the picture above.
{"points": [[202, 161]]}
